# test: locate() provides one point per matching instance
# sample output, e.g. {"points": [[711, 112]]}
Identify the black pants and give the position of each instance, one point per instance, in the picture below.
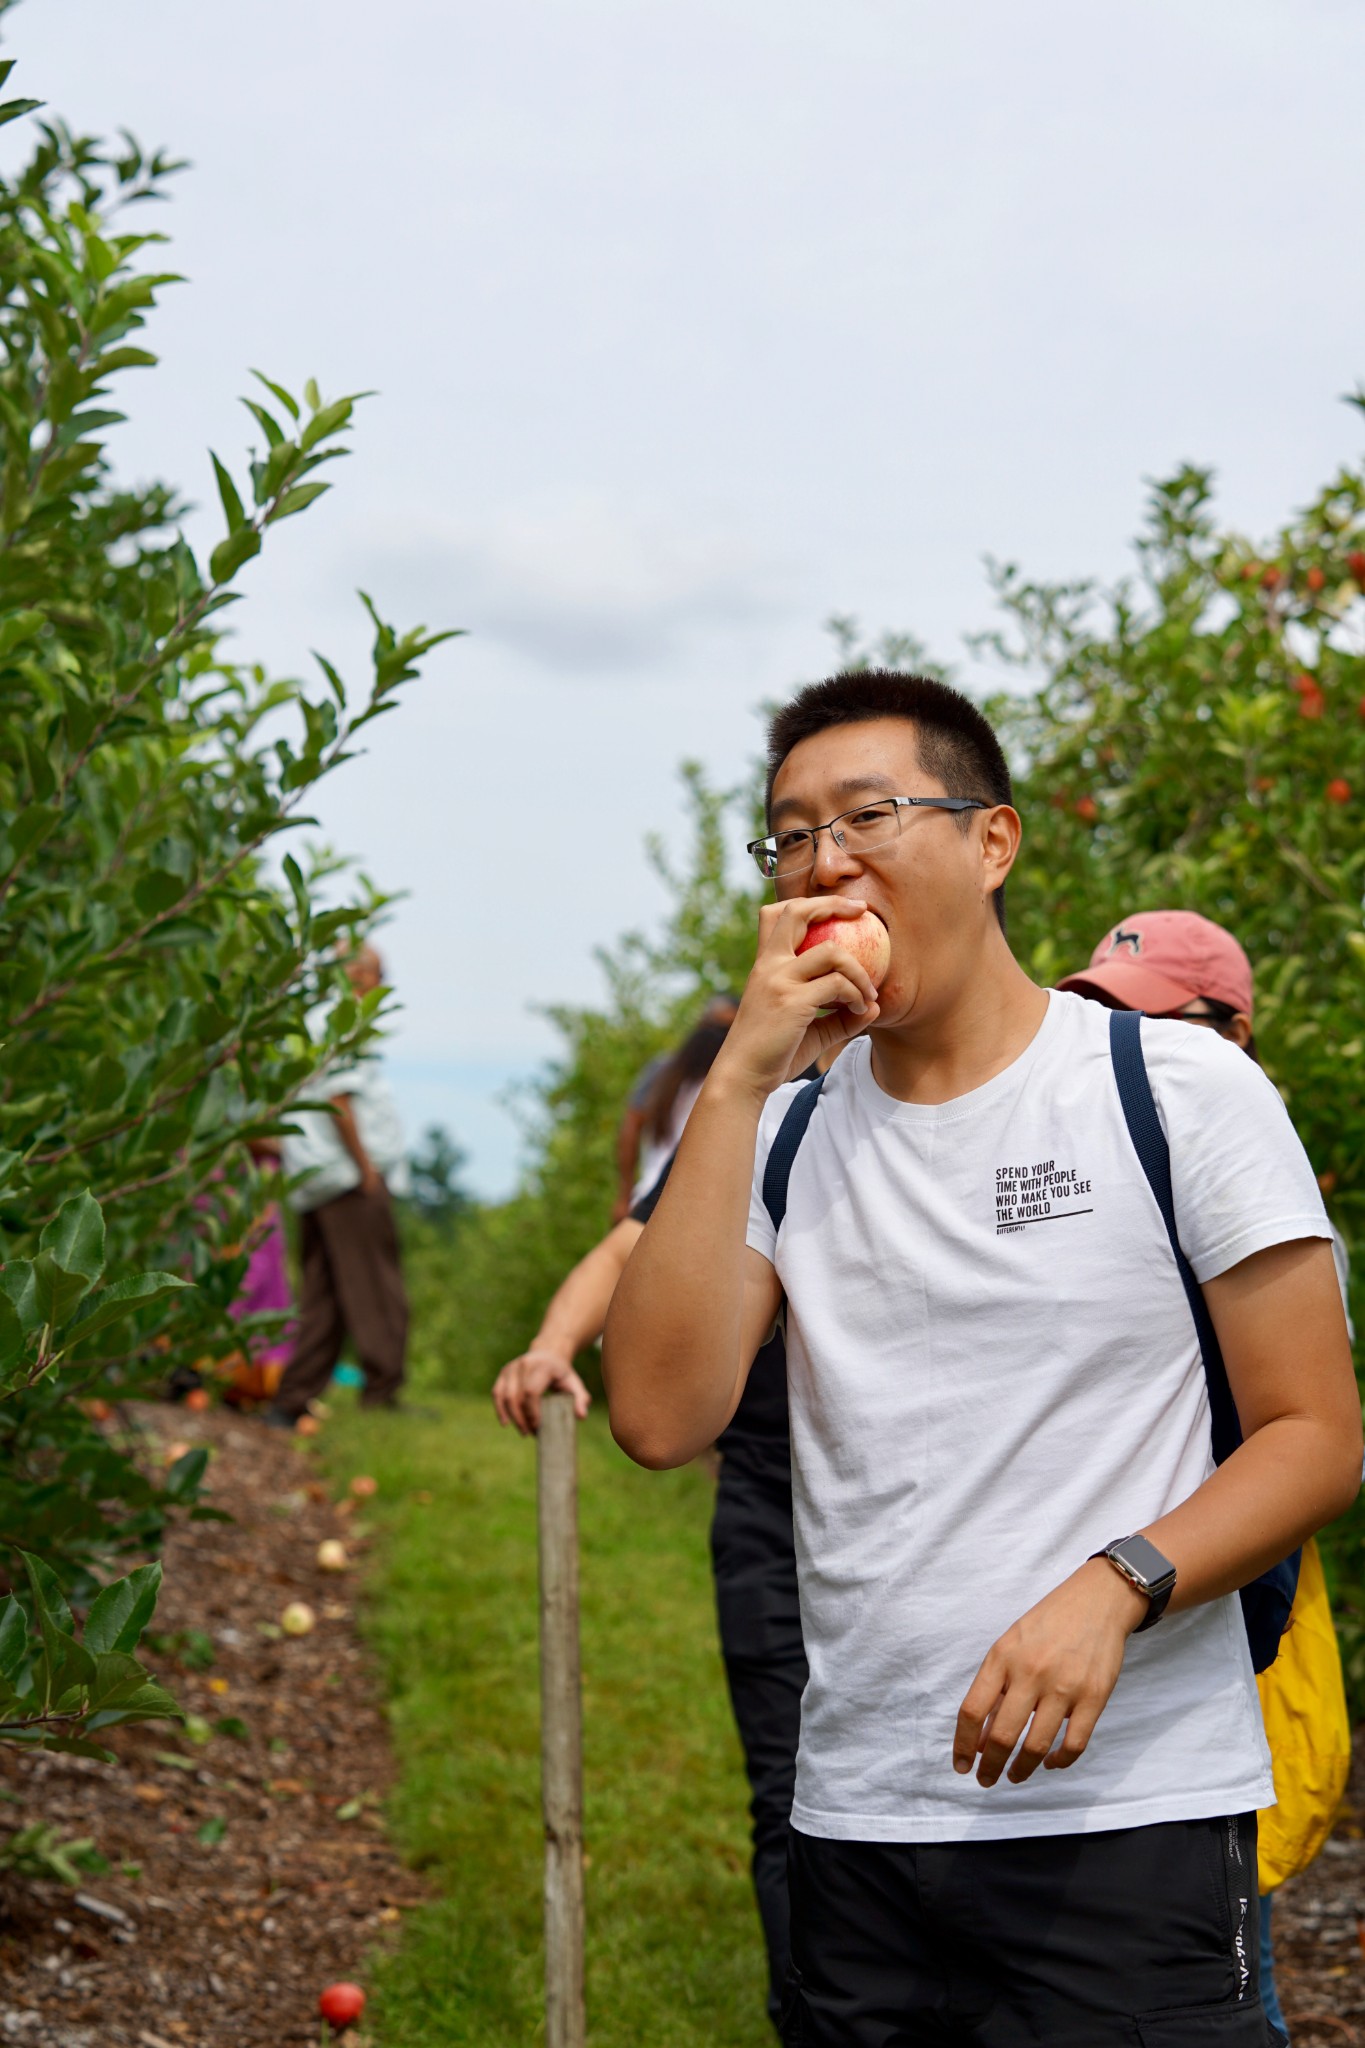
{"points": [[754, 1561], [1136, 1938], [352, 1285]]}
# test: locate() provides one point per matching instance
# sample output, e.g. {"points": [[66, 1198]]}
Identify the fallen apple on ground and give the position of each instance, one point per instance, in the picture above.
{"points": [[342, 2004], [362, 1486], [864, 937], [298, 1619], [332, 1555]]}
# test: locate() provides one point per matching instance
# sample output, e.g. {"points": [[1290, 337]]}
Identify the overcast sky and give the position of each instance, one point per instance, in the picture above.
{"points": [[692, 323]]}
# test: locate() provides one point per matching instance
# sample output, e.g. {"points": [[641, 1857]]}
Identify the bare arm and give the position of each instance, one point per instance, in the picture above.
{"points": [[348, 1131], [695, 1302], [1282, 1329], [574, 1318]]}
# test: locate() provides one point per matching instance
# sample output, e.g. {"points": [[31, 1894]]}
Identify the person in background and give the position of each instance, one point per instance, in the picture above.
{"points": [[1174, 963], [256, 1370], [348, 1162], [657, 1106], [753, 1553]]}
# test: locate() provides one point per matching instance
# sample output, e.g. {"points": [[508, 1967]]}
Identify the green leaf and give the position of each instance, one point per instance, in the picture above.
{"points": [[229, 555], [227, 492], [17, 627], [269, 425], [122, 1611], [184, 1478], [212, 1831], [116, 1677], [13, 109], [13, 1638], [12, 1332], [19, 1284], [157, 891], [55, 1625], [32, 827], [278, 391], [140, 1290], [75, 1236], [58, 1293], [295, 500]]}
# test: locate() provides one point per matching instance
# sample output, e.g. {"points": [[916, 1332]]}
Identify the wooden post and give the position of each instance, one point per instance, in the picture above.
{"points": [[561, 1726]]}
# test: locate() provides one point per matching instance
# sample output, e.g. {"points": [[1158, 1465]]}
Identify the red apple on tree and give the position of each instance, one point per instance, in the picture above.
{"points": [[1338, 791], [865, 937], [1315, 578], [1355, 562]]}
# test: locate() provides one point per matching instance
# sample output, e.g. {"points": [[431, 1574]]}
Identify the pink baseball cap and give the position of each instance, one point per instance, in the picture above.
{"points": [[1162, 959]]}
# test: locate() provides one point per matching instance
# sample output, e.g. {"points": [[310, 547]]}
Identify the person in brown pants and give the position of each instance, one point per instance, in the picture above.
{"points": [[353, 1159]]}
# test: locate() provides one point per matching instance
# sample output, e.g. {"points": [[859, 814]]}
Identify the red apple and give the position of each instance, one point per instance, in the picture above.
{"points": [[1271, 578], [1355, 562], [342, 2004], [1338, 791], [864, 937], [1315, 578], [1312, 703], [1087, 809]]}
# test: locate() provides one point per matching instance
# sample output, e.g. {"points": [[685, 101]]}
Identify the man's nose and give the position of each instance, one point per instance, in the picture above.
{"points": [[832, 861]]}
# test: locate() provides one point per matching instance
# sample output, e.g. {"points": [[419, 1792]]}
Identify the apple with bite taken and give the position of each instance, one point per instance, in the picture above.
{"points": [[865, 937]]}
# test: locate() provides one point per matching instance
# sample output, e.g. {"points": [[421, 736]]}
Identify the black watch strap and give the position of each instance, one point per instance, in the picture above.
{"points": [[1145, 1567]]}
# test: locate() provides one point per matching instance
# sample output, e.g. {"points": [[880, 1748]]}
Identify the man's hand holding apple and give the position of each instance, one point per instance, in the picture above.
{"points": [[812, 989]]}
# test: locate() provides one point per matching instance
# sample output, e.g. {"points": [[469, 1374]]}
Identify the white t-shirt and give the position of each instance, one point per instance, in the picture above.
{"points": [[993, 1373], [316, 1149]]}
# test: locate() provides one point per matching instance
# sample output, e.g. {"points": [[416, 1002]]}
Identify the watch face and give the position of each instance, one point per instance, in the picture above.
{"points": [[1145, 1559]]}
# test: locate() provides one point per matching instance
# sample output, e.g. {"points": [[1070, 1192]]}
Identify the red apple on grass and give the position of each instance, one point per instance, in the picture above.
{"points": [[865, 937]]}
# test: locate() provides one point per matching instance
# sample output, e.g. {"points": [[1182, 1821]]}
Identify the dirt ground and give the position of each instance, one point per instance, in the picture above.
{"points": [[1320, 1933], [247, 1871]]}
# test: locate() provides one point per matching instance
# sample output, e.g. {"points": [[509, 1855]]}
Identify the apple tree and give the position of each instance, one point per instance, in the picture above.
{"points": [[164, 961]]}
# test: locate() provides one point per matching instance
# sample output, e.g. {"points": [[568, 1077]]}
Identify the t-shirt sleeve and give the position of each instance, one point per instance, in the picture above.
{"points": [[1240, 1176]]}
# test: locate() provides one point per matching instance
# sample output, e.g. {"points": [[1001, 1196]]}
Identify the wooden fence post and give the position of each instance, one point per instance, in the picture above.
{"points": [[561, 1727]]}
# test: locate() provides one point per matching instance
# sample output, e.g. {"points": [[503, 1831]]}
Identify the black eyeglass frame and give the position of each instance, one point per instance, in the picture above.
{"points": [[765, 849]]}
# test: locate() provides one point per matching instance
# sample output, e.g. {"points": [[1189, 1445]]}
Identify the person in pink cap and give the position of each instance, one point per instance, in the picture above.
{"points": [[1172, 963], [1177, 964]]}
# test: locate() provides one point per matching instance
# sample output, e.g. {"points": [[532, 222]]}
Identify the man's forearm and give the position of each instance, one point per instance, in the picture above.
{"points": [[1276, 1491], [672, 1355]]}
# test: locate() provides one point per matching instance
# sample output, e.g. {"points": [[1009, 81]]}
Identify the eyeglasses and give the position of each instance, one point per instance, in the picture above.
{"points": [[784, 855]]}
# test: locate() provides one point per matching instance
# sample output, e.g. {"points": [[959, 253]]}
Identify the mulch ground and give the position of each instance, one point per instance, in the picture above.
{"points": [[246, 1871], [1320, 1933]]}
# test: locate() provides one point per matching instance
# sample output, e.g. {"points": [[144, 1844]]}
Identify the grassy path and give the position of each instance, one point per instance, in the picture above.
{"points": [[674, 1955]]}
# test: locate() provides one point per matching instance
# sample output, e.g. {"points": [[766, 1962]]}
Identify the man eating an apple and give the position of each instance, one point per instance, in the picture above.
{"points": [[1031, 1750]]}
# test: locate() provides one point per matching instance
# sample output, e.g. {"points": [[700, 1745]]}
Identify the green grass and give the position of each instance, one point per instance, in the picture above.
{"points": [[674, 1952]]}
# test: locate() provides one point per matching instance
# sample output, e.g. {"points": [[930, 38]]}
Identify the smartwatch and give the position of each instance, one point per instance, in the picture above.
{"points": [[1143, 1565]]}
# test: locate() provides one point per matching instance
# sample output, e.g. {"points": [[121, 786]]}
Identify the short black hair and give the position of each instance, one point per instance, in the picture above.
{"points": [[956, 741]]}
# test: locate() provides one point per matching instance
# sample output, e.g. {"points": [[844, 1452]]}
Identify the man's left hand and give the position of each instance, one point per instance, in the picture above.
{"points": [[1058, 1664]]}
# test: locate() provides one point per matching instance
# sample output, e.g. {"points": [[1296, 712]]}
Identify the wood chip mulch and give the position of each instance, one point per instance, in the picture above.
{"points": [[248, 1871], [1320, 1933]]}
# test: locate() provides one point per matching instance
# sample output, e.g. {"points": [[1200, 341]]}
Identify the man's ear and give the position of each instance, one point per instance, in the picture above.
{"points": [[1238, 1029], [1002, 834]]}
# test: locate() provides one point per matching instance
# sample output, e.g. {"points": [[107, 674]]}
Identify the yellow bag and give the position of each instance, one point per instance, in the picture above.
{"points": [[1303, 1703]]}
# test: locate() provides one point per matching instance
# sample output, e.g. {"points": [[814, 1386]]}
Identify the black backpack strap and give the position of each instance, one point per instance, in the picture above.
{"points": [[1268, 1602], [777, 1172], [1149, 1142]]}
